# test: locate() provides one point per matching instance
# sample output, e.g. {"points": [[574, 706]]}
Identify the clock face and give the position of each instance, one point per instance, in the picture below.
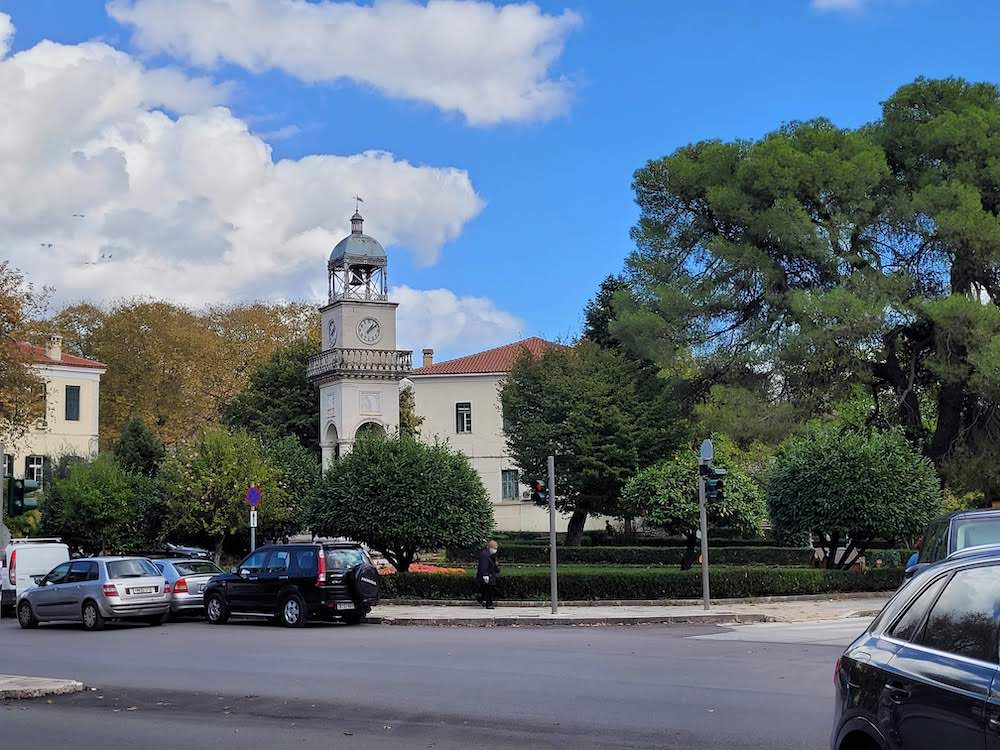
{"points": [[333, 333], [369, 331]]}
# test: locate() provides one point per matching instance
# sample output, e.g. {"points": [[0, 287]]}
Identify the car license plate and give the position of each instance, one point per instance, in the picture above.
{"points": [[345, 605], [142, 590]]}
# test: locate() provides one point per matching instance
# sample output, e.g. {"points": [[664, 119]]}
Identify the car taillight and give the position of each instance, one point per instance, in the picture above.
{"points": [[12, 573], [110, 590], [181, 587], [836, 674], [321, 568]]}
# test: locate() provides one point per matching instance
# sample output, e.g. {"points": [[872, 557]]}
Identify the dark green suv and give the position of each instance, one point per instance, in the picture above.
{"points": [[294, 583]]}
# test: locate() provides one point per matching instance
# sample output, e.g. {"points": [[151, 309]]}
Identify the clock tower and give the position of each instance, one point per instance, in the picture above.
{"points": [[359, 369]]}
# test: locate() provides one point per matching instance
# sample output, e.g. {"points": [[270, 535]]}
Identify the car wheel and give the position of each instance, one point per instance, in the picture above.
{"points": [[26, 616], [155, 620], [354, 618], [216, 610], [92, 617], [293, 612]]}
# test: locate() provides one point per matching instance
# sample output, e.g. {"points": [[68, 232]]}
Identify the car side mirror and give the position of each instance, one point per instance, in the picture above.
{"points": [[244, 573], [39, 580]]}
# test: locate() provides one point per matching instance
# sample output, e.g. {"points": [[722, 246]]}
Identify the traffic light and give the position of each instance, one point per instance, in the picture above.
{"points": [[18, 502], [538, 492], [714, 490]]}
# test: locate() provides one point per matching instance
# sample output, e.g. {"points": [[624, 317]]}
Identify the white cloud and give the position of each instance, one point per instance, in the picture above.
{"points": [[6, 34], [441, 320], [839, 5], [180, 200], [490, 62]]}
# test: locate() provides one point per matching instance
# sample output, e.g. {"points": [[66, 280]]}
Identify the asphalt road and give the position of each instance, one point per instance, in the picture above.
{"points": [[191, 685]]}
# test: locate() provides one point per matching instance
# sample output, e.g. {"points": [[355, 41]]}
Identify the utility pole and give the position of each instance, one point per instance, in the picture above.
{"points": [[553, 585], [704, 462]]}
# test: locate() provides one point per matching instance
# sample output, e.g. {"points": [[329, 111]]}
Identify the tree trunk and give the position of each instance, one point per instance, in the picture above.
{"points": [[218, 551], [574, 531], [690, 552]]}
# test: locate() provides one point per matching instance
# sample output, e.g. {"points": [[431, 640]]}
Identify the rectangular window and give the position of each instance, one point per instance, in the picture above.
{"points": [[34, 468], [8, 465], [463, 417], [72, 403], [963, 620], [509, 484]]}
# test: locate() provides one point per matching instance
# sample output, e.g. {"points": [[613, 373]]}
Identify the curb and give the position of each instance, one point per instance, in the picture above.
{"points": [[13, 687], [543, 620], [642, 602]]}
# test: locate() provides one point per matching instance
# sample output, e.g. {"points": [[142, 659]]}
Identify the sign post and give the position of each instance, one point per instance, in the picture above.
{"points": [[707, 454], [553, 585], [253, 500]]}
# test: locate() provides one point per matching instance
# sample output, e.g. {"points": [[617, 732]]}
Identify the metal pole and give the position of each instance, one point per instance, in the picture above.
{"points": [[703, 524], [253, 532], [552, 535]]}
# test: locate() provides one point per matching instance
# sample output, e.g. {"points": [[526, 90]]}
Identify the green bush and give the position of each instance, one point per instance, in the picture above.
{"points": [[535, 554], [640, 583], [536, 540]]}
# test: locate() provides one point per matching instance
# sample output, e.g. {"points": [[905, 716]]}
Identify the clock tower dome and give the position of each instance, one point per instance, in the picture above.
{"points": [[359, 369]]}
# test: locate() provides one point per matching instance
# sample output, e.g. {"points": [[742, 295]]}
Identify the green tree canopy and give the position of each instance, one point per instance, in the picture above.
{"points": [[206, 480], [399, 495], [298, 475], [665, 495], [409, 420], [602, 415], [102, 508], [849, 487], [279, 400], [138, 449], [820, 258]]}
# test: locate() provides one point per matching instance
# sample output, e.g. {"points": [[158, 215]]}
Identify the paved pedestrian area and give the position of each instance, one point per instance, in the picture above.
{"points": [[734, 613], [13, 687]]}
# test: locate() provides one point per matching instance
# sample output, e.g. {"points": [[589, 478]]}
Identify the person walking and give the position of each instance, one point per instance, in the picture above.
{"points": [[487, 572]]}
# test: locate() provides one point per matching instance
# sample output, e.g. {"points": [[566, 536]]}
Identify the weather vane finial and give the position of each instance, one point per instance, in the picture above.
{"points": [[358, 200]]}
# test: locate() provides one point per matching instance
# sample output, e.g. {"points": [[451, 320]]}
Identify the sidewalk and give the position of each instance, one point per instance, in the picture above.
{"points": [[13, 687], [795, 610]]}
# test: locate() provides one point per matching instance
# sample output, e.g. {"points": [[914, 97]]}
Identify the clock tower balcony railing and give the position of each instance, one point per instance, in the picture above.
{"points": [[379, 363]]}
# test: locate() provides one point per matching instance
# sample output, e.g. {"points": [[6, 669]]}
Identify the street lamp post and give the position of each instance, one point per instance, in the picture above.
{"points": [[707, 454]]}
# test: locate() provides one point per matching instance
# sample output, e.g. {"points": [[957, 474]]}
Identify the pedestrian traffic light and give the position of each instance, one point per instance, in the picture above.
{"points": [[18, 502], [714, 490], [538, 492]]}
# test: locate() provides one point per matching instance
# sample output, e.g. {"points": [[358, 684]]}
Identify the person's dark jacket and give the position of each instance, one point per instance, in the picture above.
{"points": [[487, 567]]}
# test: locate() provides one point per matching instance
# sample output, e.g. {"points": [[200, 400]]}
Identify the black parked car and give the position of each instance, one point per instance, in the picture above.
{"points": [[297, 582], [926, 672]]}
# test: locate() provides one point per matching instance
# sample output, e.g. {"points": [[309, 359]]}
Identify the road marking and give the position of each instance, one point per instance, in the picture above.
{"points": [[820, 633]]}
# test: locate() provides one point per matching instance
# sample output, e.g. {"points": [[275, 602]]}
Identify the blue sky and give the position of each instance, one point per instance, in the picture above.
{"points": [[636, 80]]}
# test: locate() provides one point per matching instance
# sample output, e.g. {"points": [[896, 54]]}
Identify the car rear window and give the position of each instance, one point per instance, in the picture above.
{"points": [[344, 558], [134, 568], [973, 532], [197, 568]]}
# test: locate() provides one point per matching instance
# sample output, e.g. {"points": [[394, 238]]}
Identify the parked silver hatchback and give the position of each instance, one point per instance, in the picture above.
{"points": [[94, 590], [186, 581]]}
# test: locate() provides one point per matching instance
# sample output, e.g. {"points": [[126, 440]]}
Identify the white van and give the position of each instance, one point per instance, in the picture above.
{"points": [[23, 559]]}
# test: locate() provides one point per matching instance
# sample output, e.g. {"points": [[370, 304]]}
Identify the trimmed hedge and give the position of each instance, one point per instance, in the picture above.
{"points": [[533, 554], [604, 539], [647, 584]]}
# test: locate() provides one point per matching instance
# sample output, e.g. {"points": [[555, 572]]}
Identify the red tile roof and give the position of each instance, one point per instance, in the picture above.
{"points": [[39, 357], [500, 359]]}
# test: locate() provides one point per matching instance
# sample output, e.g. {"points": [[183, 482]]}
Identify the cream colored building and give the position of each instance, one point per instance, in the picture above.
{"points": [[460, 402], [69, 426]]}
